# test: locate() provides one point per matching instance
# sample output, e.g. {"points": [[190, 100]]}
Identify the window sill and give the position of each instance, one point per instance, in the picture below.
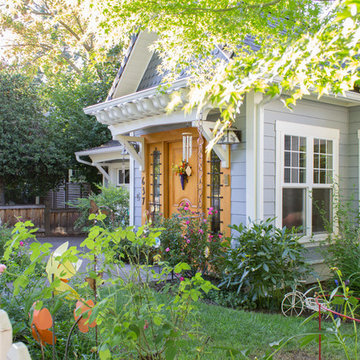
{"points": [[309, 241]]}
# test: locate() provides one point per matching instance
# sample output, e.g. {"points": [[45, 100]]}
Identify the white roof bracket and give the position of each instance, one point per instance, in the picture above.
{"points": [[138, 157], [102, 170], [222, 151]]}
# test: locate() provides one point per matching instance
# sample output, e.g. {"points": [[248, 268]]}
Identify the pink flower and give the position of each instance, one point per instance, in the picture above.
{"points": [[2, 268], [21, 243], [187, 222], [220, 236], [211, 208], [205, 220], [187, 204], [216, 211], [211, 236], [167, 249], [182, 278], [186, 208], [201, 231], [188, 241]]}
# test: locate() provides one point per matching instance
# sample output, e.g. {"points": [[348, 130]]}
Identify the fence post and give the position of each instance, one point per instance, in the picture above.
{"points": [[47, 226], [5, 334], [18, 351]]}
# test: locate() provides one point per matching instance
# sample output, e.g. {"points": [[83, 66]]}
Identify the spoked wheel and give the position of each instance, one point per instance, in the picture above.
{"points": [[292, 304]]}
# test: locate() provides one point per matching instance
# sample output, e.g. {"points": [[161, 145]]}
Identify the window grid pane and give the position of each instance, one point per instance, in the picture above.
{"points": [[323, 161], [321, 210], [293, 211], [294, 159], [155, 196]]}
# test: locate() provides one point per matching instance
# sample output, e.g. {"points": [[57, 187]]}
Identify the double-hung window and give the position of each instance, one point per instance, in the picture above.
{"points": [[307, 166]]}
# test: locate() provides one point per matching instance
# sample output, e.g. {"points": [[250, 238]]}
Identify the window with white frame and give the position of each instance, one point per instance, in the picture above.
{"points": [[123, 177], [307, 158]]}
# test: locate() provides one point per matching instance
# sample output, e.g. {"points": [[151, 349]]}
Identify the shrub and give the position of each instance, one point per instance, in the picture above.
{"points": [[342, 247], [113, 201], [5, 235], [187, 238], [265, 259]]}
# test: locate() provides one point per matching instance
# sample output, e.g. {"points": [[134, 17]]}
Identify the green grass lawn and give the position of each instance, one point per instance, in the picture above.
{"points": [[255, 331]]}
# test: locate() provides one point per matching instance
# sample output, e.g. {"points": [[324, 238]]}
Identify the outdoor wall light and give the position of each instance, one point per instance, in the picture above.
{"points": [[231, 136]]}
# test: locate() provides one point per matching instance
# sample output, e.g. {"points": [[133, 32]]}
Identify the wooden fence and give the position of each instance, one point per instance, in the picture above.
{"points": [[49, 221], [8, 350]]}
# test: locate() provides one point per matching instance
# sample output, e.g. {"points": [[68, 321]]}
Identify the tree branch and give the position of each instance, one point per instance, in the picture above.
{"points": [[73, 33], [71, 63], [242, 5]]}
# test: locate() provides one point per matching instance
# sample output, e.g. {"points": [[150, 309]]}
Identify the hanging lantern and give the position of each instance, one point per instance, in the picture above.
{"points": [[187, 146], [231, 136]]}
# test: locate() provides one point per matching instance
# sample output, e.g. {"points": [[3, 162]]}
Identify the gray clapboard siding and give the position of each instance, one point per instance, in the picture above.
{"points": [[309, 113], [353, 155], [238, 174], [137, 195]]}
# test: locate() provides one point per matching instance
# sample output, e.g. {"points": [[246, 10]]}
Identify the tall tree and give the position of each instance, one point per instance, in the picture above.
{"points": [[49, 34], [273, 46], [65, 96], [27, 156]]}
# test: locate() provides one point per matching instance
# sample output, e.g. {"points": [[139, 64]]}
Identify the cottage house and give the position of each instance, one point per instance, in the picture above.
{"points": [[284, 166]]}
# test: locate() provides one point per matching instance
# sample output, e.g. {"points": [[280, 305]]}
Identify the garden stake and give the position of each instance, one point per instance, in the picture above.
{"points": [[95, 298], [69, 336], [53, 324], [200, 142], [41, 345], [320, 330]]}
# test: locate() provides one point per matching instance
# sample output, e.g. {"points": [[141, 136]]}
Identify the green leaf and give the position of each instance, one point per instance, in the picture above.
{"points": [[135, 329], [104, 352], [157, 320], [170, 350], [92, 216], [308, 339], [180, 267]]}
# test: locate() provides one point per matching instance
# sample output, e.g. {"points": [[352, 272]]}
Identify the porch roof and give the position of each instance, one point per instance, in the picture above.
{"points": [[123, 111], [109, 147]]}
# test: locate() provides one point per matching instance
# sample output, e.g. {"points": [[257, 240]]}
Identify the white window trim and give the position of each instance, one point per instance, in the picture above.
{"points": [[117, 177], [309, 132]]}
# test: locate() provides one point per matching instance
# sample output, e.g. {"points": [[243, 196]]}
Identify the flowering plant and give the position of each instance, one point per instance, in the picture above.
{"points": [[181, 168], [188, 238]]}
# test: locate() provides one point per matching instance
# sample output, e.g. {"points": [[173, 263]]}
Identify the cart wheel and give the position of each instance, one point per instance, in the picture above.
{"points": [[292, 304]]}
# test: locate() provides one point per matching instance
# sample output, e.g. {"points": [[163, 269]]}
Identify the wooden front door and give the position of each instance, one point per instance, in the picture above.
{"points": [[161, 188], [177, 195]]}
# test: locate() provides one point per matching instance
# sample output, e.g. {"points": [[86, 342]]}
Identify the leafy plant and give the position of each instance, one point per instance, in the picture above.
{"points": [[340, 305], [112, 201], [128, 311], [264, 260], [342, 247], [5, 235]]}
